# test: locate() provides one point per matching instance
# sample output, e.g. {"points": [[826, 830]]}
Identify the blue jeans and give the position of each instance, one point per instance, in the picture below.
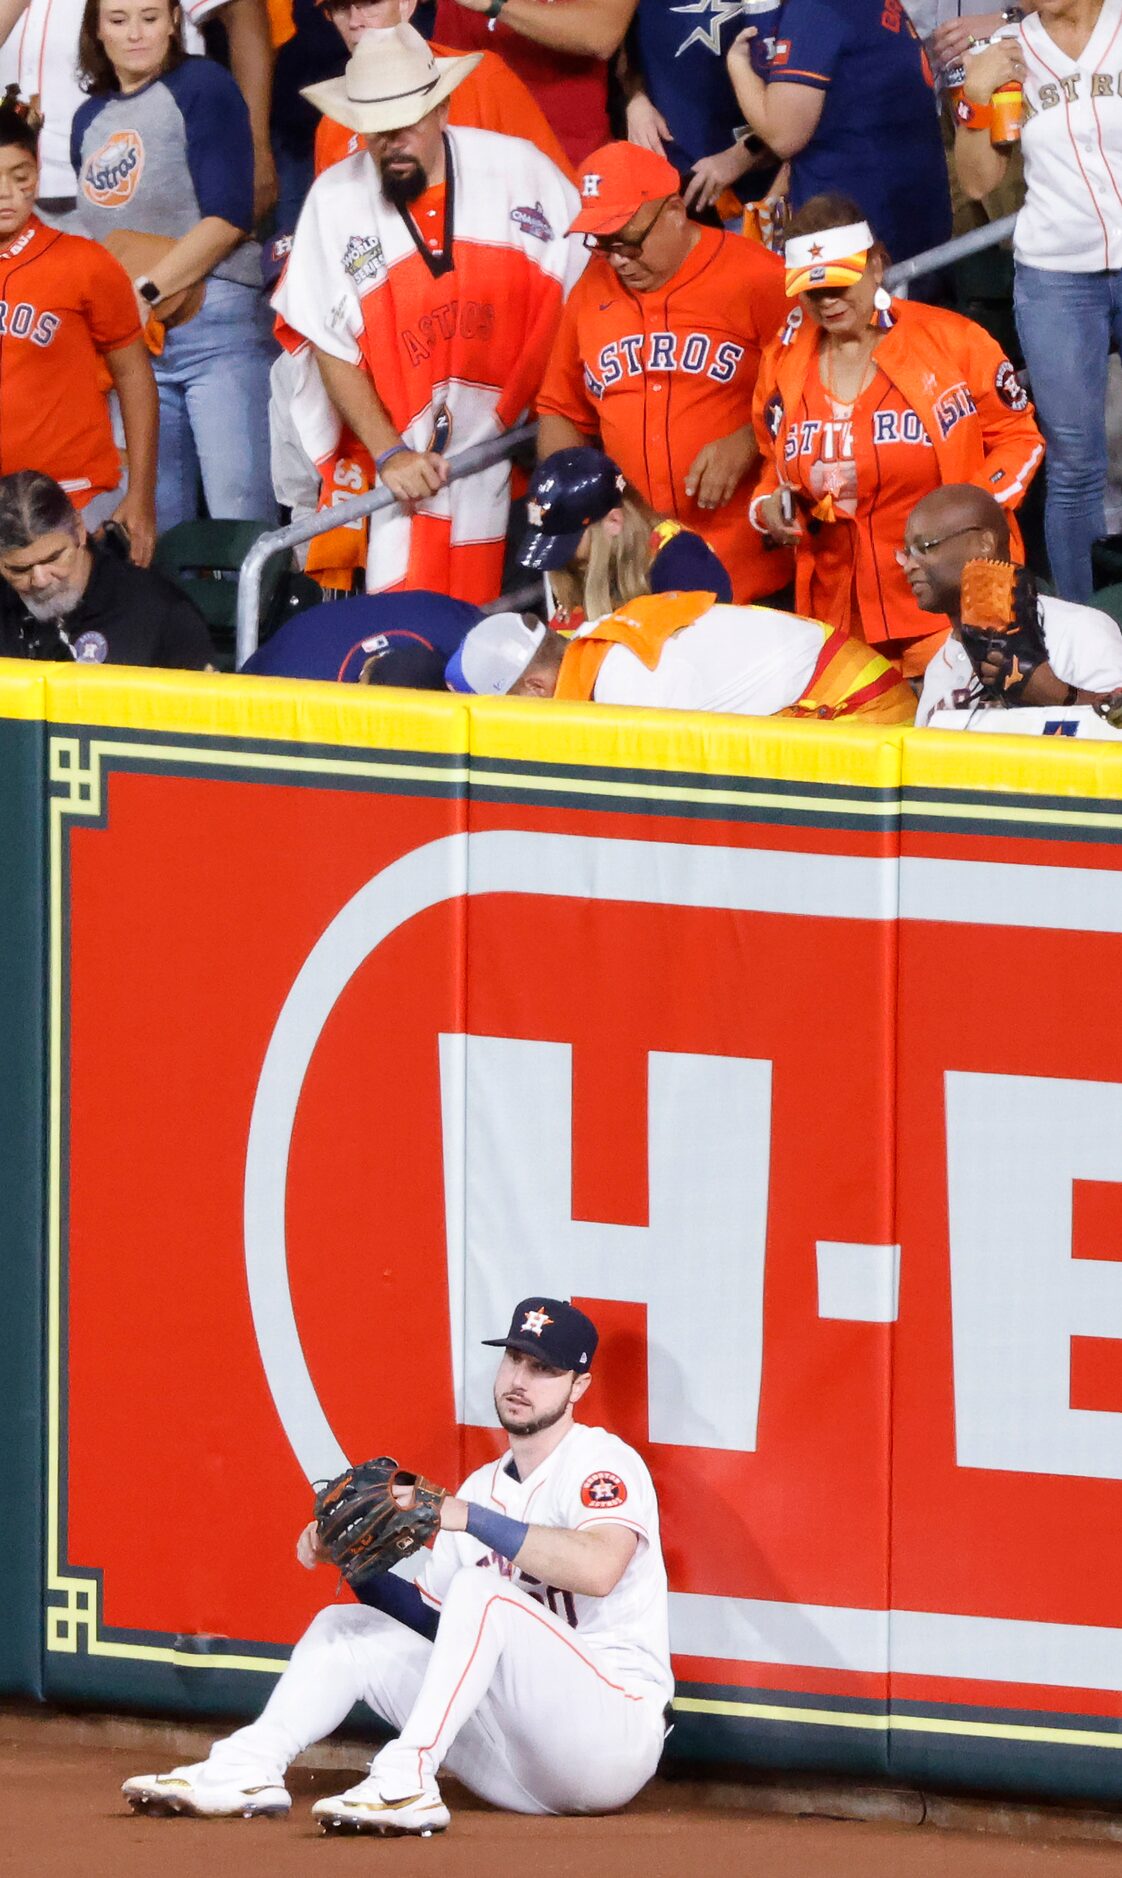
{"points": [[1066, 323], [213, 380]]}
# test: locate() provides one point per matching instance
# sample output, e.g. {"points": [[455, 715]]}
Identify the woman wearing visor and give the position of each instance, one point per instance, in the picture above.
{"points": [[864, 404]]}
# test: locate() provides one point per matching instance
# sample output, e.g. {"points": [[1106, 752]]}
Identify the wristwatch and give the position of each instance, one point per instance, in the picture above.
{"points": [[147, 289], [973, 116]]}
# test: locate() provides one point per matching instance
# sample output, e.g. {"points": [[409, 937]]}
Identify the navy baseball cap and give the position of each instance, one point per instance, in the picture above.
{"points": [[568, 491], [553, 1331]]}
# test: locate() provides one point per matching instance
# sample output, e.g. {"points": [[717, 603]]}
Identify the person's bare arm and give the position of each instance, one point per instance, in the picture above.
{"points": [[10, 11], [954, 37], [195, 254], [558, 433], [593, 27], [251, 62], [412, 474], [980, 167], [784, 115], [134, 382]]}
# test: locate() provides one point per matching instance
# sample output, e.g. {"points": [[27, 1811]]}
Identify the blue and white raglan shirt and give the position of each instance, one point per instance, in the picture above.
{"points": [[161, 158], [681, 54], [878, 139]]}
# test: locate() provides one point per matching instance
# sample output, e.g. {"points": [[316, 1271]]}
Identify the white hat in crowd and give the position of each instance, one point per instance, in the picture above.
{"points": [[392, 80], [494, 655]]}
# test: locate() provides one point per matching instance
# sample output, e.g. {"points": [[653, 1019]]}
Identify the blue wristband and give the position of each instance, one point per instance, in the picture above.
{"points": [[395, 449], [494, 1530]]}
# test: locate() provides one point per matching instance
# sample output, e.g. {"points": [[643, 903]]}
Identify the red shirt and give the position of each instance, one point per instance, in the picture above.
{"points": [[572, 92], [64, 301]]}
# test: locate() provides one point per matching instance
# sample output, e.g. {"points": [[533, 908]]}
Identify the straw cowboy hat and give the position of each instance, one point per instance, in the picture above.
{"points": [[391, 81]]}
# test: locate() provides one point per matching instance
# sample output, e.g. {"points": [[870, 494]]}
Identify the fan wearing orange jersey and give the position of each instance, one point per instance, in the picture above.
{"points": [[657, 356], [864, 406], [490, 98], [69, 328]]}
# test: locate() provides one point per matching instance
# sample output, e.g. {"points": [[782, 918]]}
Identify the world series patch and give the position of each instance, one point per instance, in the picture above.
{"points": [[603, 1490]]}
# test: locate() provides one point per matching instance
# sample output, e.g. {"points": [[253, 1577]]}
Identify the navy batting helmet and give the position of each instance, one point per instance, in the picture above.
{"points": [[569, 490]]}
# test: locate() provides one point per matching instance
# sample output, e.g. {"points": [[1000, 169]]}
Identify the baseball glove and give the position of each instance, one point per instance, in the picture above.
{"points": [[1001, 627], [360, 1525]]}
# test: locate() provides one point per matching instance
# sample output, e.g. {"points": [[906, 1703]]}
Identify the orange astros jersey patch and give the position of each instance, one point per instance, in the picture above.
{"points": [[603, 1490]]}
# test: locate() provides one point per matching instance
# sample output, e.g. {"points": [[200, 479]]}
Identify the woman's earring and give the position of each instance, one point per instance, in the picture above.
{"points": [[882, 314]]}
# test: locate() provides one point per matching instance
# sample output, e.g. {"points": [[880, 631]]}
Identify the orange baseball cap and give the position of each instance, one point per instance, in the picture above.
{"points": [[615, 182]]}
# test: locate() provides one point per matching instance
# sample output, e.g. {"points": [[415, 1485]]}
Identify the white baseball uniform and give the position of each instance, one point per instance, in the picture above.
{"points": [[1084, 649], [1072, 144], [745, 659], [539, 1700]]}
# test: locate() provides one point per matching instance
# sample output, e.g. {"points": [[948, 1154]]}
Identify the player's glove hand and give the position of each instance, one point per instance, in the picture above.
{"points": [[373, 1515], [1001, 630]]}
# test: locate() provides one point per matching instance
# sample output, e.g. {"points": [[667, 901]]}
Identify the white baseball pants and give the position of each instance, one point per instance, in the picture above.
{"points": [[507, 1699]]}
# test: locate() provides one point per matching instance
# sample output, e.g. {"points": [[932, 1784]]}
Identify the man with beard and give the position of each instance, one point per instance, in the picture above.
{"points": [[66, 595], [424, 287], [531, 1655]]}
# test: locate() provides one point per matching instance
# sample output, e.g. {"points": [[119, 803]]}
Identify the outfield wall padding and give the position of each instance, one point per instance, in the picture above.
{"points": [[786, 1048]]}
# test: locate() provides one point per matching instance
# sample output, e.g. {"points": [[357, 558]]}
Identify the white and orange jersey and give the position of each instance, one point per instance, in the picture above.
{"points": [[455, 340], [592, 1478]]}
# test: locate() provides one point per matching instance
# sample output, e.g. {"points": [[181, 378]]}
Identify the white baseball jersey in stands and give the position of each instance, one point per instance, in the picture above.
{"points": [[1084, 649], [1072, 143]]}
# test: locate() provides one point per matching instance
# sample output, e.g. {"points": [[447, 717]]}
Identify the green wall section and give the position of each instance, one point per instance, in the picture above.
{"points": [[23, 1032]]}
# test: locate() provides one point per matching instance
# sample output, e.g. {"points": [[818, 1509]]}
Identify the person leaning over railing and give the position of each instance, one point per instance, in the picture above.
{"points": [[864, 404], [1067, 246]]}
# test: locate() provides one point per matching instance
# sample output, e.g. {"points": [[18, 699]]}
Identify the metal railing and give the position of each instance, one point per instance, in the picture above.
{"points": [[280, 540], [973, 242], [483, 455]]}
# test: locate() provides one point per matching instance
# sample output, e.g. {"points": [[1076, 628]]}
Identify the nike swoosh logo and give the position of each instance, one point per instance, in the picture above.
{"points": [[395, 1806]]}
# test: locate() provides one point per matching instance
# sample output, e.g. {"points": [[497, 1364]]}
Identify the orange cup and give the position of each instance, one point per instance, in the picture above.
{"points": [[1008, 105]]}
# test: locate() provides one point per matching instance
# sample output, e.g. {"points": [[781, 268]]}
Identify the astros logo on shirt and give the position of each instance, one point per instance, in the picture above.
{"points": [[603, 1489], [111, 175]]}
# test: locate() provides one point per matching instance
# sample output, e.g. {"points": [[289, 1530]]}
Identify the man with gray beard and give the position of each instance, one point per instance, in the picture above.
{"points": [[65, 595]]}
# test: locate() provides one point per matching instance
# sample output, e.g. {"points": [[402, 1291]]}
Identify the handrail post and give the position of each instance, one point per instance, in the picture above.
{"points": [[479, 456]]}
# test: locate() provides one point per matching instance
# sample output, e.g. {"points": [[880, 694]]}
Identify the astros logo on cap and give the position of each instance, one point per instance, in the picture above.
{"points": [[536, 1321], [590, 186], [113, 172]]}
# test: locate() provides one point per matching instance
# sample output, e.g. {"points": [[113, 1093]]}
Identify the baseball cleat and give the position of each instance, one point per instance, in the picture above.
{"points": [[366, 1809], [187, 1791]]}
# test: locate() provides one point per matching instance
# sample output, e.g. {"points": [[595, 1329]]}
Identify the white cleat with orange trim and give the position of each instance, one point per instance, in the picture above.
{"points": [[366, 1808]]}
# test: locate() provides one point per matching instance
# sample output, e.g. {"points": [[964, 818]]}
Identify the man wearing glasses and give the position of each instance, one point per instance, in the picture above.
{"points": [[961, 523], [658, 352]]}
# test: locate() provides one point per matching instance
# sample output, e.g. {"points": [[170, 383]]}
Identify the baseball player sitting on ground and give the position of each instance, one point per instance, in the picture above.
{"points": [[1063, 654], [531, 1660], [683, 652]]}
